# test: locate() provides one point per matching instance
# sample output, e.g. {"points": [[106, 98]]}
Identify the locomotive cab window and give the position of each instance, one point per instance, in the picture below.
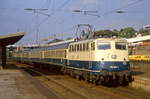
{"points": [[120, 46], [103, 46]]}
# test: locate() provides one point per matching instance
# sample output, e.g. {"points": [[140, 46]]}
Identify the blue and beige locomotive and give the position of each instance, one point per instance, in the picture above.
{"points": [[99, 60]]}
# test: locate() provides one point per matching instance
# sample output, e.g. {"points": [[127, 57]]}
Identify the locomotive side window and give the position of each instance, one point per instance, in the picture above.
{"points": [[120, 46], [69, 48], [73, 48], [103, 46], [80, 47], [84, 47], [93, 46], [87, 46]]}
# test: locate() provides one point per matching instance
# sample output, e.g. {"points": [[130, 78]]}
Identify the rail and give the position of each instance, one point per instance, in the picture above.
{"points": [[54, 81]]}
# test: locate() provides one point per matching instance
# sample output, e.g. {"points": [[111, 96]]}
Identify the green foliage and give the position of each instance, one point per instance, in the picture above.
{"points": [[144, 31], [124, 33], [104, 33], [127, 32], [69, 38]]}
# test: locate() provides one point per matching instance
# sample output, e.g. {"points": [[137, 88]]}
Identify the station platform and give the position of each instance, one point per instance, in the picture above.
{"points": [[16, 84]]}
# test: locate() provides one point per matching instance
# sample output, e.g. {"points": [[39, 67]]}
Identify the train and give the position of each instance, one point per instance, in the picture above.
{"points": [[96, 60], [145, 58]]}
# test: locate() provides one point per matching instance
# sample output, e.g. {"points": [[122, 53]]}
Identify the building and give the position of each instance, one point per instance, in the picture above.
{"points": [[139, 45], [7, 40]]}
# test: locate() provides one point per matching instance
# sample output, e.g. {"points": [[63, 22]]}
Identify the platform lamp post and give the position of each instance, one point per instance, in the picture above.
{"points": [[38, 11]]}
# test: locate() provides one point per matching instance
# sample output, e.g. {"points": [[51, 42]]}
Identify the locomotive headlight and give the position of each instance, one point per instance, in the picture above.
{"points": [[125, 62], [102, 61], [114, 56]]}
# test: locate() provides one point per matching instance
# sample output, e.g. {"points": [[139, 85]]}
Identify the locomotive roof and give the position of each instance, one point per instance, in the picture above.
{"points": [[101, 39]]}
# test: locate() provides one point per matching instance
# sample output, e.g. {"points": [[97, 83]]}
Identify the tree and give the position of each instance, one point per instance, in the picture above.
{"points": [[105, 33], [127, 32], [69, 38], [144, 31]]}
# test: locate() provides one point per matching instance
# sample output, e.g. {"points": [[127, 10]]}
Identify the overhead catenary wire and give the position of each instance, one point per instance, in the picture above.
{"points": [[138, 12], [60, 34], [114, 10], [125, 6], [51, 14], [54, 11], [46, 4]]}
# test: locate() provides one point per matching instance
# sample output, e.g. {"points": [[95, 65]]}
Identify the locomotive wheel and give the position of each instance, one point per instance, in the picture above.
{"points": [[124, 82], [130, 79], [77, 77], [97, 82], [72, 74], [86, 77], [116, 81], [110, 81]]}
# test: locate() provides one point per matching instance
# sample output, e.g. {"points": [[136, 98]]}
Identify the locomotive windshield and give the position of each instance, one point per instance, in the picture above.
{"points": [[103, 46], [120, 46]]}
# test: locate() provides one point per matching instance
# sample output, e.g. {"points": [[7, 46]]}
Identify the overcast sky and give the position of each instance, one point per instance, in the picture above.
{"points": [[14, 18]]}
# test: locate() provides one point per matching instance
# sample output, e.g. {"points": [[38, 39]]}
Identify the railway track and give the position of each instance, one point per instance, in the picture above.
{"points": [[69, 87], [46, 80]]}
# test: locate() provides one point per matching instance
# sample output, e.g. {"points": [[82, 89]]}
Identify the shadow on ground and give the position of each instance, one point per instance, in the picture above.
{"points": [[135, 73], [11, 66]]}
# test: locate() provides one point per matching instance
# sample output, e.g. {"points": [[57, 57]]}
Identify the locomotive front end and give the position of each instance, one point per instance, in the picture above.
{"points": [[114, 61]]}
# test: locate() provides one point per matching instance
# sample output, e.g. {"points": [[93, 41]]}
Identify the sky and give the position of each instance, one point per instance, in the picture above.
{"points": [[62, 21]]}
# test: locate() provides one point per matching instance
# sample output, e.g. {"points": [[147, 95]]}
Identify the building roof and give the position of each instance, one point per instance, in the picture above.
{"points": [[54, 41], [138, 39], [11, 38]]}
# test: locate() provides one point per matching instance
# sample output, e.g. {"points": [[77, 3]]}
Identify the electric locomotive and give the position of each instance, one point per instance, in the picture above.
{"points": [[99, 60]]}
